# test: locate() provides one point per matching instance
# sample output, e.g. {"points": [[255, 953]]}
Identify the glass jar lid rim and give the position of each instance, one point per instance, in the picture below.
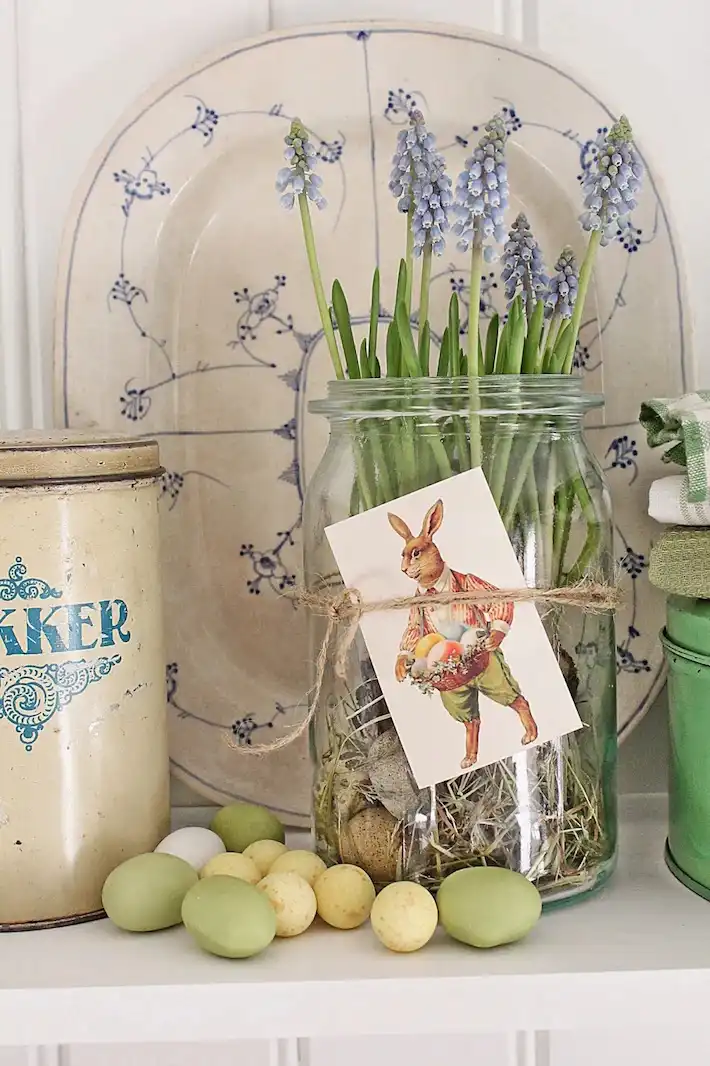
{"points": [[555, 394]]}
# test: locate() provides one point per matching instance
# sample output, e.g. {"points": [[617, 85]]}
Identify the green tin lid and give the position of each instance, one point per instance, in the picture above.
{"points": [[688, 623]]}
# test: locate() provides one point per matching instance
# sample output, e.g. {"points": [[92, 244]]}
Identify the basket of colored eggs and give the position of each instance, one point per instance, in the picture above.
{"points": [[236, 886], [450, 658]]}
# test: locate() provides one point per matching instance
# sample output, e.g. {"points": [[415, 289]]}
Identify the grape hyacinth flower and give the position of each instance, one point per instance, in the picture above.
{"points": [[421, 185], [562, 289], [298, 181], [482, 191], [481, 199], [523, 266], [299, 176], [612, 181], [610, 187]]}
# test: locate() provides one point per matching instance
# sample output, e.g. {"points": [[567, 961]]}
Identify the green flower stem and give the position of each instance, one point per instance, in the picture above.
{"points": [[462, 445], [499, 461], [523, 470], [474, 305], [592, 540], [554, 329], [440, 454], [424, 285], [547, 510], [380, 459], [323, 310], [561, 532], [409, 478], [585, 276], [367, 495], [531, 503], [409, 259]]}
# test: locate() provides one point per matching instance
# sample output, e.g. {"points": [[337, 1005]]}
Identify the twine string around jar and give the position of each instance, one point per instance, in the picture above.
{"points": [[347, 609]]}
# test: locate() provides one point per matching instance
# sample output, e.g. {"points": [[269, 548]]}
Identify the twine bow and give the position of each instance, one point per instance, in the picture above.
{"points": [[347, 609]]}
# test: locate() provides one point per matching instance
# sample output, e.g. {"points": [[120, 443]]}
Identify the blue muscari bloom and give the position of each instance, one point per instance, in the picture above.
{"points": [[611, 183], [420, 182], [482, 191], [562, 289], [299, 176], [523, 266]]}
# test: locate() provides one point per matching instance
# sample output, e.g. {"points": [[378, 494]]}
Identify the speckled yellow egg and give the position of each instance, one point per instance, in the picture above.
{"points": [[404, 916], [293, 900], [305, 863], [232, 864], [265, 853], [345, 895]]}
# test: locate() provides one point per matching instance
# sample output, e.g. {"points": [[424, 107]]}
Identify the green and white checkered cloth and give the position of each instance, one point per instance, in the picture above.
{"points": [[685, 425]]}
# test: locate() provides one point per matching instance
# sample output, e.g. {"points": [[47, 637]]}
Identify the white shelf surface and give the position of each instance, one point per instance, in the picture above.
{"points": [[641, 947]]}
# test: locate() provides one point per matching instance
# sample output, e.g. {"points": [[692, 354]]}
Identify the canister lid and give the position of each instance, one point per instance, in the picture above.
{"points": [[688, 623], [71, 455]]}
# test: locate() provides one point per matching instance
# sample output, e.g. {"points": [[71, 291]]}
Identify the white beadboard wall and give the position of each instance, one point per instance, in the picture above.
{"points": [[68, 68]]}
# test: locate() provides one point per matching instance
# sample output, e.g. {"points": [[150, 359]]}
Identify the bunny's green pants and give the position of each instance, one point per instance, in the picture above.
{"points": [[496, 682]]}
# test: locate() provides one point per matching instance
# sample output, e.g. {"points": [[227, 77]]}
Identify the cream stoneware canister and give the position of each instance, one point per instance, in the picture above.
{"points": [[83, 733]]}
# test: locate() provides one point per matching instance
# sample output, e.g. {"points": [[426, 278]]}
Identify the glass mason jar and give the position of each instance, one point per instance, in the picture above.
{"points": [[549, 812]]}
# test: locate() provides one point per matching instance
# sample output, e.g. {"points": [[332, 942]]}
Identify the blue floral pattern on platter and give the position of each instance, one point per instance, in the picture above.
{"points": [[269, 345]]}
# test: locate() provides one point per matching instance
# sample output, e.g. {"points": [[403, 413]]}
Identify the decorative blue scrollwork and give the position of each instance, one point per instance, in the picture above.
{"points": [[18, 586], [30, 695]]}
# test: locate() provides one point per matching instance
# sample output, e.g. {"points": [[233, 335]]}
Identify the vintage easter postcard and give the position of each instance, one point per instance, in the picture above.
{"points": [[466, 683]]}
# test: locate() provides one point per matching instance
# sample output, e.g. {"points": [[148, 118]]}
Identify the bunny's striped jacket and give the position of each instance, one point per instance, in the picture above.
{"points": [[423, 619]]}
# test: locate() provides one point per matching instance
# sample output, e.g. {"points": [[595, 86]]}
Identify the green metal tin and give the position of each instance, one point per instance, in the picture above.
{"points": [[689, 781], [688, 623]]}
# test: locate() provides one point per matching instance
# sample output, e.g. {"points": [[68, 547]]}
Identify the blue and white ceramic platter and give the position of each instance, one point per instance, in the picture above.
{"points": [[185, 312]]}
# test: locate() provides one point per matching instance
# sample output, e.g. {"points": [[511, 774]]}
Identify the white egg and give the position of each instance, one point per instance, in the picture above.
{"points": [[419, 667], [193, 844], [474, 637]]}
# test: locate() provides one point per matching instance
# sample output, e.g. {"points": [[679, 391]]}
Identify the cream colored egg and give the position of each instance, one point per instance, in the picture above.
{"points": [[345, 895], [232, 864], [265, 853], [293, 900], [404, 916], [305, 863]]}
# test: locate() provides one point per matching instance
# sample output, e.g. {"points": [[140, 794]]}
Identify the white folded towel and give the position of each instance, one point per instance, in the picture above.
{"points": [[668, 503]]}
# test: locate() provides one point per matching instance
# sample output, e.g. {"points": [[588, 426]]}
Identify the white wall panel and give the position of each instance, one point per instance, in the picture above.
{"points": [[651, 60], [13, 1056], [478, 1050], [14, 378], [485, 14], [650, 1047], [81, 63], [239, 1053]]}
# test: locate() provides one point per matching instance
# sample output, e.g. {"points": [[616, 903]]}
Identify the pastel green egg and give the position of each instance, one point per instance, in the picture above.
{"points": [[485, 907], [146, 892], [229, 917], [241, 824]]}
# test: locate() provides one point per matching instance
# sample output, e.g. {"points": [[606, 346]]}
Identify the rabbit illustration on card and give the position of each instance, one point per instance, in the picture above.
{"points": [[455, 648]]}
